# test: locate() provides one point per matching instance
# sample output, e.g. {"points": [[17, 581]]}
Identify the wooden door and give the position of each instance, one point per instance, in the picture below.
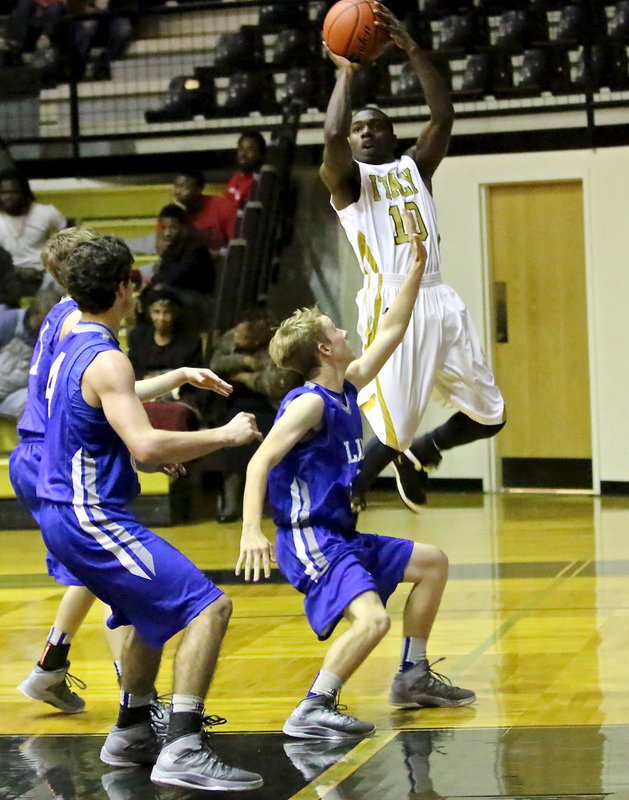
{"points": [[537, 264]]}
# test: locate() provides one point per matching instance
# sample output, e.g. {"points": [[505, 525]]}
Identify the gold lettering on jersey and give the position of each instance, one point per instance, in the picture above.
{"points": [[411, 188], [393, 184], [374, 187], [384, 186]]}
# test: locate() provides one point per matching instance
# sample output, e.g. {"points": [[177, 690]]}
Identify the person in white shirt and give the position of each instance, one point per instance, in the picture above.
{"points": [[25, 227]]}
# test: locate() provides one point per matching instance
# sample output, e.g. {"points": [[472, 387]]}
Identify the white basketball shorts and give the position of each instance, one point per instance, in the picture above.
{"points": [[441, 353]]}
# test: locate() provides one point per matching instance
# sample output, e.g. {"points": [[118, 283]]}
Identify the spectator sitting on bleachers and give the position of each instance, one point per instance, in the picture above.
{"points": [[162, 343], [241, 357], [28, 20], [25, 227], [113, 28], [184, 262], [250, 156], [209, 215], [18, 335]]}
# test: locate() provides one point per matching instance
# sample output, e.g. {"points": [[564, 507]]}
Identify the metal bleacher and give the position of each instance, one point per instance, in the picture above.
{"points": [[198, 72]]}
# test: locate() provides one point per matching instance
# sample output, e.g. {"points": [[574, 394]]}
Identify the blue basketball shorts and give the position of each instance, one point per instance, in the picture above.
{"points": [[146, 581], [332, 568], [24, 464]]}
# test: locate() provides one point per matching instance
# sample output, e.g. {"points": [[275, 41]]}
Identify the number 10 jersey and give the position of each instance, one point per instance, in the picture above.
{"points": [[374, 223]]}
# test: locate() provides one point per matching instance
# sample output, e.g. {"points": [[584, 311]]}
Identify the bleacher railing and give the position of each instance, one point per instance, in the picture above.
{"points": [[215, 67]]}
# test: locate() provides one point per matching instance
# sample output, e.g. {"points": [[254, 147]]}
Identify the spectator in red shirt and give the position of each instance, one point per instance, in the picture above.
{"points": [[250, 156], [211, 217]]}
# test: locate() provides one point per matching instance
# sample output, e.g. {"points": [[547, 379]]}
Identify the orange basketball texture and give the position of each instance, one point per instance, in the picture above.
{"points": [[349, 30]]}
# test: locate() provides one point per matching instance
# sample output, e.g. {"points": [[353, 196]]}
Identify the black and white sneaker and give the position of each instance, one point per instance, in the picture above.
{"points": [[411, 481]]}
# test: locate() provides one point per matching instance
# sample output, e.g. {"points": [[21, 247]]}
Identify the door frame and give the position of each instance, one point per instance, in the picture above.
{"points": [[494, 467]]}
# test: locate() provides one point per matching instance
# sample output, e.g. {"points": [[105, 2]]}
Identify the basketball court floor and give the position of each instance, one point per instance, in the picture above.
{"points": [[535, 619]]}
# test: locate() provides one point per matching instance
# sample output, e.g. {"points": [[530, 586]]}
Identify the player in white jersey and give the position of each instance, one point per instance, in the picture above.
{"points": [[441, 351]]}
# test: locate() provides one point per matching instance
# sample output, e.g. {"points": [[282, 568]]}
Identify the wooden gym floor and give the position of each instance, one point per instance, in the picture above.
{"points": [[534, 619]]}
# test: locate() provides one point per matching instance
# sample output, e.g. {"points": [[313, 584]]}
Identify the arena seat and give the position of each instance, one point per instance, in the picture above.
{"points": [[519, 28], [371, 82], [250, 91], [283, 15], [461, 33], [618, 27], [477, 76], [296, 46], [187, 98], [243, 49]]}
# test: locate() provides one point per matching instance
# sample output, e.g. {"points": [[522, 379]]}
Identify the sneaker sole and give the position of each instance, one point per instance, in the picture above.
{"points": [[435, 702], [116, 761], [323, 733], [196, 782], [54, 703], [416, 508]]}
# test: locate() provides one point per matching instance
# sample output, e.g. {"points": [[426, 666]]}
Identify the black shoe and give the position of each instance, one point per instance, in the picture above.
{"points": [[411, 482], [426, 452]]}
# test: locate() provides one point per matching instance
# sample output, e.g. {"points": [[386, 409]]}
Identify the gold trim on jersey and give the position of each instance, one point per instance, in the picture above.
{"points": [[386, 416], [365, 254], [368, 405], [375, 314]]}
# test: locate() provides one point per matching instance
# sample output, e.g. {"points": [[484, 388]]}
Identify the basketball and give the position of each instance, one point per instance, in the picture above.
{"points": [[350, 30]]}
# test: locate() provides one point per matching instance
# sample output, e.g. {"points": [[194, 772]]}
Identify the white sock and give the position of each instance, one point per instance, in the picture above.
{"points": [[187, 703], [57, 636], [128, 700], [325, 683], [413, 650]]}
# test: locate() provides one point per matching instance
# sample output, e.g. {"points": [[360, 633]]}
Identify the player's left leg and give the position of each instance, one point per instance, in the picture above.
{"points": [[49, 681], [465, 380], [133, 740], [317, 716], [459, 429], [416, 685]]}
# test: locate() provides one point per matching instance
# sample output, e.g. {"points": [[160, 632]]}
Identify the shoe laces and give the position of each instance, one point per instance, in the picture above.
{"points": [[437, 678], [159, 704], [336, 707], [72, 680], [210, 721]]}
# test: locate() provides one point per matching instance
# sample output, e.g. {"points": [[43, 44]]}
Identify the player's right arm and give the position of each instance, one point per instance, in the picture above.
{"points": [[339, 171], [109, 382], [302, 416]]}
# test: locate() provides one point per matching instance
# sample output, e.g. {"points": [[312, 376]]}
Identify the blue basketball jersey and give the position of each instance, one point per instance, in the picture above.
{"points": [[33, 422], [311, 485], [84, 462]]}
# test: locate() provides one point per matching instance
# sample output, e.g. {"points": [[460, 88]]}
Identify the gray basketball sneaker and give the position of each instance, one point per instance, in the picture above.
{"points": [[134, 746], [160, 714], [53, 687], [318, 717], [191, 762], [420, 687]]}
